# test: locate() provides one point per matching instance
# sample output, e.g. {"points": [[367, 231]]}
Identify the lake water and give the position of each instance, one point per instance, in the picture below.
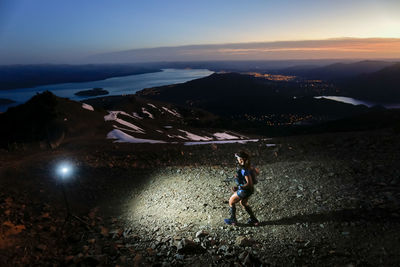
{"points": [[115, 86], [354, 101]]}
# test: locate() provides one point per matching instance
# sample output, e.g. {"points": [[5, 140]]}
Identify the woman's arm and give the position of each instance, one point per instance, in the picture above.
{"points": [[249, 182]]}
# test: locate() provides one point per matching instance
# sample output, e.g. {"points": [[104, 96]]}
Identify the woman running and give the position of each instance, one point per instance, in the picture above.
{"points": [[243, 190]]}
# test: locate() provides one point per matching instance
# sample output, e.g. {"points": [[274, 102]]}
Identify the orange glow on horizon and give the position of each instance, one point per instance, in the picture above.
{"points": [[385, 46], [312, 49]]}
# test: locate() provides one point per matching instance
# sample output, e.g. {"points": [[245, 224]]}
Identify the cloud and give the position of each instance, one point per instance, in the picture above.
{"points": [[313, 49]]}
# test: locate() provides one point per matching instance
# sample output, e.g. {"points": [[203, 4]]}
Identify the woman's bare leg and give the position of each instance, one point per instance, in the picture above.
{"points": [[253, 220], [233, 200]]}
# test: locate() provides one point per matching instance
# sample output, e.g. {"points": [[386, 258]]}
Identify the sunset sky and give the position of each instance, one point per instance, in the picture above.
{"points": [[57, 31]]}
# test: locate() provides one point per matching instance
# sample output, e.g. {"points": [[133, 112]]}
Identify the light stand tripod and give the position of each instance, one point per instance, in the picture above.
{"points": [[64, 171]]}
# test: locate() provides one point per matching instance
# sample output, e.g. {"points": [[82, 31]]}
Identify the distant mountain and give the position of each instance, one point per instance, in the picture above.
{"points": [[300, 70], [92, 92], [241, 66], [368, 80], [383, 85], [338, 71], [247, 104], [232, 94]]}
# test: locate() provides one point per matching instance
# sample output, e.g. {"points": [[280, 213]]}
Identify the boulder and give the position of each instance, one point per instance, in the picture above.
{"points": [[243, 241], [187, 246]]}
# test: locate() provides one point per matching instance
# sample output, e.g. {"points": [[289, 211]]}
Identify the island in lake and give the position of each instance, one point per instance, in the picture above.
{"points": [[92, 92]]}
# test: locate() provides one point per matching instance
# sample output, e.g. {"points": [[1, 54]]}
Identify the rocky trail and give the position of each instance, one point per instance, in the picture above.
{"points": [[329, 199]]}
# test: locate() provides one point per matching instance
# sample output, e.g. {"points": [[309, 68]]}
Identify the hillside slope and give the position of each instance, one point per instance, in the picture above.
{"points": [[230, 94], [338, 71], [382, 85], [47, 120]]}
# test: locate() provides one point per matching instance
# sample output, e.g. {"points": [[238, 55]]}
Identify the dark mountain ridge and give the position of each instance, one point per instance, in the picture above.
{"points": [[375, 81], [233, 94], [337, 71], [382, 85], [273, 108], [47, 119]]}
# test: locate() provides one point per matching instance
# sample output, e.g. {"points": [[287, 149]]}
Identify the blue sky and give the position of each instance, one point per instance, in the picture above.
{"points": [[58, 31]]}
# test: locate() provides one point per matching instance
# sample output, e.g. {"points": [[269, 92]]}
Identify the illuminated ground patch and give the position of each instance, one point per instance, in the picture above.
{"points": [[196, 198]]}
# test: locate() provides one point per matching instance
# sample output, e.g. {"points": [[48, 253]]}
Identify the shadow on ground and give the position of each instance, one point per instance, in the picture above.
{"points": [[346, 215]]}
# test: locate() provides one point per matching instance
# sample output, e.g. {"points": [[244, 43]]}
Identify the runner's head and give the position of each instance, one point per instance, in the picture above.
{"points": [[243, 159]]}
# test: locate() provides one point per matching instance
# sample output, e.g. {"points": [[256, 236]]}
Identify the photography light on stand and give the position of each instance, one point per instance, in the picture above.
{"points": [[64, 171]]}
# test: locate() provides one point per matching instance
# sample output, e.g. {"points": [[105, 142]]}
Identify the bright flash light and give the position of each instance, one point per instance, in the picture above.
{"points": [[64, 170]]}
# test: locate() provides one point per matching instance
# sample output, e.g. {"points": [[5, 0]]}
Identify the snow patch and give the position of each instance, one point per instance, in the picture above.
{"points": [[221, 142], [137, 116], [122, 137], [173, 112], [87, 106], [151, 105], [195, 137], [177, 136], [225, 136], [130, 125], [125, 114], [148, 113], [113, 116], [124, 129]]}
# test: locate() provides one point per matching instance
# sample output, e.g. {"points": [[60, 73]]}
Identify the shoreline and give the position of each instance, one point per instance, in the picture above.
{"points": [[127, 84], [74, 74]]}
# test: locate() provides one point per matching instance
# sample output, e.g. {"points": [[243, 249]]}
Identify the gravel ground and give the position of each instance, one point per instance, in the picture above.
{"points": [[329, 199]]}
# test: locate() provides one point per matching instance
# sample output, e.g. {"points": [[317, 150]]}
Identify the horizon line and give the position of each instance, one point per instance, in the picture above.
{"points": [[395, 60]]}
